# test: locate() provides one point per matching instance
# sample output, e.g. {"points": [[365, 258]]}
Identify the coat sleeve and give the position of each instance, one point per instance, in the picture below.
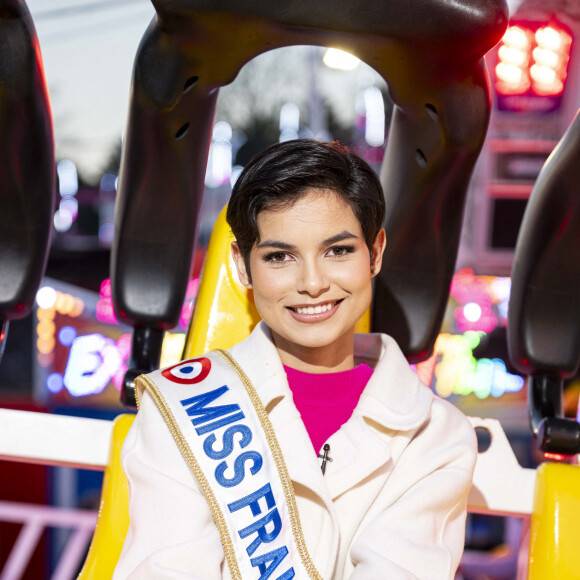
{"points": [[418, 531], [172, 533]]}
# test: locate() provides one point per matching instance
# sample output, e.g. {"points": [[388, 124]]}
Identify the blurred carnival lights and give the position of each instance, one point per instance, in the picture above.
{"points": [[62, 220], [107, 192], [289, 122], [219, 163], [68, 185], [66, 335], [187, 308], [46, 297], [472, 311], [477, 297], [340, 59], [534, 61], [92, 360], [375, 116], [68, 181], [105, 310], [51, 302], [236, 172], [460, 373], [108, 182], [54, 382]]}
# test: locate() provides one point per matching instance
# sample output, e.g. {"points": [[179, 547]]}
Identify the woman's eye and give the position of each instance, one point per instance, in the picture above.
{"points": [[339, 251], [276, 257]]}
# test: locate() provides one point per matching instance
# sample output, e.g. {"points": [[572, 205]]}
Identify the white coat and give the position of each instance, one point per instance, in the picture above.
{"points": [[392, 504]]}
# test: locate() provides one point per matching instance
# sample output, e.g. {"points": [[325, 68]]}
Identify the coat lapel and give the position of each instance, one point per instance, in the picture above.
{"points": [[267, 374], [303, 465], [265, 371], [394, 399], [356, 451], [393, 402]]}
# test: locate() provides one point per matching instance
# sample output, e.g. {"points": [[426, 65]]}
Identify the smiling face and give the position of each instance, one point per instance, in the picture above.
{"points": [[311, 275]]}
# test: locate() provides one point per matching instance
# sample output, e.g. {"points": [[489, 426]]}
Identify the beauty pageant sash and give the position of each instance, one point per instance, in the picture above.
{"points": [[225, 436]]}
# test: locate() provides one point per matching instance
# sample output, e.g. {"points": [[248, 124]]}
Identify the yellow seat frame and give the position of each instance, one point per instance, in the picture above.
{"points": [[555, 524], [113, 520]]}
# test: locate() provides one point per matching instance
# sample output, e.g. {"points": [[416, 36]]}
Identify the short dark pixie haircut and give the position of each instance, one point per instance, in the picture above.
{"points": [[279, 176]]}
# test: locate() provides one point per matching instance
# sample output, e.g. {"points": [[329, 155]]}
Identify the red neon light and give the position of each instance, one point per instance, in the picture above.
{"points": [[555, 456], [533, 60]]}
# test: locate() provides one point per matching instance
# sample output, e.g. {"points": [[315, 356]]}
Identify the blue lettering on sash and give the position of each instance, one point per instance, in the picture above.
{"points": [[206, 419], [251, 501], [272, 517], [228, 441], [219, 423], [239, 473], [275, 556], [202, 414], [259, 527]]}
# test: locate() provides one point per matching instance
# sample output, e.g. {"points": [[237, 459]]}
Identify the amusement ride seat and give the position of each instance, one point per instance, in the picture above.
{"points": [[441, 111]]}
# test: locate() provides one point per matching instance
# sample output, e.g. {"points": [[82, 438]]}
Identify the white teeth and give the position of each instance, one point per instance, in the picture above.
{"points": [[314, 309]]}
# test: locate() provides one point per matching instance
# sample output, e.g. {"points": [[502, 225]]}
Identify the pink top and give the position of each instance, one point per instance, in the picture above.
{"points": [[326, 401]]}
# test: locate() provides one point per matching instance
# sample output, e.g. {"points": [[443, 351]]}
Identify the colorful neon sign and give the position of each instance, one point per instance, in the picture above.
{"points": [[482, 301], [459, 372], [93, 360]]}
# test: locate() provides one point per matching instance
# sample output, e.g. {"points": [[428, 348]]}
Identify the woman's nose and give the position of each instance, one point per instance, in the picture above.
{"points": [[313, 279]]}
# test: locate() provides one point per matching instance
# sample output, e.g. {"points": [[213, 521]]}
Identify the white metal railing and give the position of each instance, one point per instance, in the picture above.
{"points": [[34, 520], [54, 439], [500, 487], [58, 440]]}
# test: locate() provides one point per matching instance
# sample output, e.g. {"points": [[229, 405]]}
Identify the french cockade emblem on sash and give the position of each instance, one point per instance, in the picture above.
{"points": [[189, 372]]}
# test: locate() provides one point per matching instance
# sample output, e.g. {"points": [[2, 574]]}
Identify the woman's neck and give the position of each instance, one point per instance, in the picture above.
{"points": [[330, 358]]}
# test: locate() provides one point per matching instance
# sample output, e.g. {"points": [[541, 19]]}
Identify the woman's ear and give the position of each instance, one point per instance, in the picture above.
{"points": [[240, 263], [378, 250]]}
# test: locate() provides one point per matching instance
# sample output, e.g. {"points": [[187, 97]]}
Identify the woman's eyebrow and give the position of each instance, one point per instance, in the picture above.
{"points": [[345, 235], [275, 244]]}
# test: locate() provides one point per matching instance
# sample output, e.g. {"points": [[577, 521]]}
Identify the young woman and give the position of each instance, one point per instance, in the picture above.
{"points": [[371, 470]]}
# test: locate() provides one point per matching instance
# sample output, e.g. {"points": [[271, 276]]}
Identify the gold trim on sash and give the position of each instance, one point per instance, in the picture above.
{"points": [[280, 465], [195, 468], [192, 463]]}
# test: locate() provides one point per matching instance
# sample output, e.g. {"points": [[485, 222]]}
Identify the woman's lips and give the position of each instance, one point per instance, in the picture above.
{"points": [[314, 313]]}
